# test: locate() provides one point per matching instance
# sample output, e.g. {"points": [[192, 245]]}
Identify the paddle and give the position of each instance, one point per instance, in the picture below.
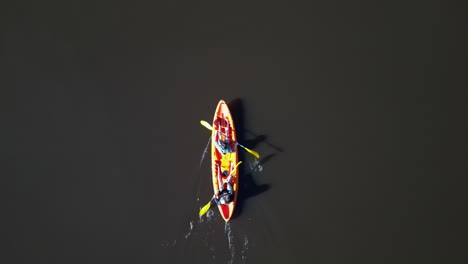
{"points": [[208, 205], [205, 124]]}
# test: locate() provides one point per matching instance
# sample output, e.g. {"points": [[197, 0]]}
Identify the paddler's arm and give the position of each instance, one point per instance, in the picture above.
{"points": [[216, 199], [228, 179]]}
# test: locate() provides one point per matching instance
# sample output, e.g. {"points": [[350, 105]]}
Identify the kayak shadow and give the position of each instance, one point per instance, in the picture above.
{"points": [[237, 110], [248, 187], [236, 107]]}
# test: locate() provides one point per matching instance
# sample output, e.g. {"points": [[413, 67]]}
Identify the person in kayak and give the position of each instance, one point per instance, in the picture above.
{"points": [[225, 193], [224, 146], [224, 143]]}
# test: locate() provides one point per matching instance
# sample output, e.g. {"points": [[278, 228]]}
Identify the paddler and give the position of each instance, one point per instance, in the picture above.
{"points": [[224, 145], [225, 194]]}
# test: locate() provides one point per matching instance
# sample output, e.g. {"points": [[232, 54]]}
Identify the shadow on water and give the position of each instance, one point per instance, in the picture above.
{"points": [[247, 185]]}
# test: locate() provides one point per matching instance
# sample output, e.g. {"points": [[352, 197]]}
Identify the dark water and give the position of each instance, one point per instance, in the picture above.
{"points": [[357, 109]]}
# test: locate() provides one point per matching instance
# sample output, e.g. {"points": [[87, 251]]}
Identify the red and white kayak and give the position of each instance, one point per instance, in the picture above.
{"points": [[224, 164]]}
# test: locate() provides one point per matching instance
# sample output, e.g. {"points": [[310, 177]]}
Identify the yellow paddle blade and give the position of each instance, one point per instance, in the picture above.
{"points": [[206, 124], [205, 208], [235, 167], [252, 152], [237, 164]]}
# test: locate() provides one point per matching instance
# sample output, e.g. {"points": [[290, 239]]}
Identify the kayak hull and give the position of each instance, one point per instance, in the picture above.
{"points": [[224, 130]]}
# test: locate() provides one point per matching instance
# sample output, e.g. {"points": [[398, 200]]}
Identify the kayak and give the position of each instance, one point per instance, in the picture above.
{"points": [[224, 160]]}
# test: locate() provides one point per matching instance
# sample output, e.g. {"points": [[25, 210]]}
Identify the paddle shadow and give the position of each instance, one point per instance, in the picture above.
{"points": [[263, 138], [237, 109], [248, 187]]}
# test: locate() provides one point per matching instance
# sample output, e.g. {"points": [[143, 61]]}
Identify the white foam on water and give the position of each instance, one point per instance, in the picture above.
{"points": [[259, 168], [209, 215], [200, 219], [254, 164], [230, 237], [245, 248], [190, 230], [167, 243], [212, 250], [205, 151]]}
